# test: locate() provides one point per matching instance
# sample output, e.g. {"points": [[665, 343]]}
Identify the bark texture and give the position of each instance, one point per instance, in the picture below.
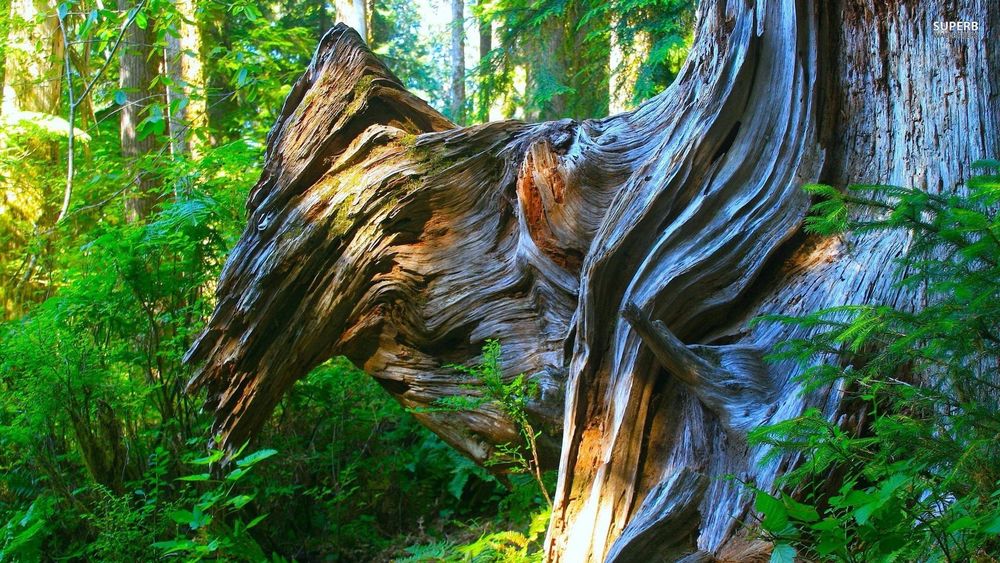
{"points": [[137, 69], [617, 260], [185, 93], [457, 60]]}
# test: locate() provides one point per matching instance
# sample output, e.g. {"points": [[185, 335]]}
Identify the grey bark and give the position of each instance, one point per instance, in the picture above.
{"points": [[185, 93], [172, 56]]}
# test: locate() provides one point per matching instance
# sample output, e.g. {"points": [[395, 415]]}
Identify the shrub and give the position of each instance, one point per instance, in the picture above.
{"points": [[918, 478]]}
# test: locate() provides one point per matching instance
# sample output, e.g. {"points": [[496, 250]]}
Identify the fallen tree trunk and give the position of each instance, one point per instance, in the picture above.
{"points": [[617, 260]]}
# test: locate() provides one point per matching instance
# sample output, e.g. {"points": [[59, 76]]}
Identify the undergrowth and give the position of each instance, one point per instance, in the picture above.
{"points": [[914, 475]]}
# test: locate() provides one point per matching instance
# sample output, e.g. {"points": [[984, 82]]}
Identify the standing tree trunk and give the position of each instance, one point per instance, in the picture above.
{"points": [[457, 93], [137, 70], [354, 13], [221, 104], [185, 92], [617, 260], [33, 57], [587, 72], [485, 39], [484, 93], [547, 73]]}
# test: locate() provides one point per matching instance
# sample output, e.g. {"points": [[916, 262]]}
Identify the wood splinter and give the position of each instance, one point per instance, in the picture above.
{"points": [[731, 381]]}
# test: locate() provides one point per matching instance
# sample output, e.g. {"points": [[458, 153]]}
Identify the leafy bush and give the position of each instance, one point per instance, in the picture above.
{"points": [[358, 475], [917, 477], [214, 526]]}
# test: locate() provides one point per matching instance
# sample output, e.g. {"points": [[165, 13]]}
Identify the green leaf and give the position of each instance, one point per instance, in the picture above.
{"points": [[256, 457], [775, 515], [175, 546], [199, 477], [783, 553], [181, 516], [987, 163], [963, 523], [799, 511], [240, 501], [141, 20], [213, 457], [256, 521], [199, 519]]}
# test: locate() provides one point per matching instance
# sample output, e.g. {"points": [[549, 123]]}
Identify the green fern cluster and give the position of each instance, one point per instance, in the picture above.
{"points": [[506, 546], [914, 474]]}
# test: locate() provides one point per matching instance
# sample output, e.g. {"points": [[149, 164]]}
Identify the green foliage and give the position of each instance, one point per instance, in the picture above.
{"points": [[554, 59], [26, 143], [399, 43], [506, 546], [25, 531], [918, 477], [512, 398], [656, 32], [101, 449], [214, 526], [518, 539], [358, 474]]}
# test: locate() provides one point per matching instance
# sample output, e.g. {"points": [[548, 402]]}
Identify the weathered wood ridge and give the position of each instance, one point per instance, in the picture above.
{"points": [[617, 260]]}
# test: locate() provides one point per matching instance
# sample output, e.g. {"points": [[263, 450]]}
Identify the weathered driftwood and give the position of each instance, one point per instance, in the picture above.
{"points": [[617, 260]]}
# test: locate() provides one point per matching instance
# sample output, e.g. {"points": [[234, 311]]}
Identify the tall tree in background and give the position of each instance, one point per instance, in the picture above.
{"points": [[484, 92], [554, 61], [186, 84], [625, 62], [395, 33], [138, 68], [355, 14], [587, 53], [545, 54], [217, 31], [457, 92], [32, 57]]}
